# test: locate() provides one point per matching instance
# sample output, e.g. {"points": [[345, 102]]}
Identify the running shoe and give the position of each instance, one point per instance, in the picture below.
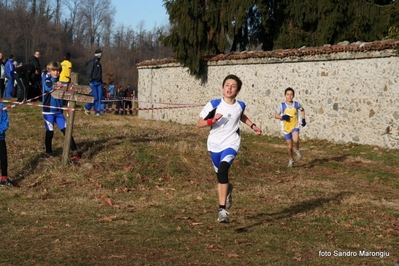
{"points": [[223, 216], [298, 154]]}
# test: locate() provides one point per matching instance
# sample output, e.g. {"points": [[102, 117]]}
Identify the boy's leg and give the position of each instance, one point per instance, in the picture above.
{"points": [[49, 125], [222, 162], [295, 139], [289, 148], [48, 141], [3, 158]]}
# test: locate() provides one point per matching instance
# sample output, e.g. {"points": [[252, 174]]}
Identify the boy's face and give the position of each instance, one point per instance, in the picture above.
{"points": [[230, 88], [55, 73], [289, 95]]}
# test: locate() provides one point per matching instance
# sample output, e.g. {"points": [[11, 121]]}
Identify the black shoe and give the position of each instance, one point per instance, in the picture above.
{"points": [[7, 183]]}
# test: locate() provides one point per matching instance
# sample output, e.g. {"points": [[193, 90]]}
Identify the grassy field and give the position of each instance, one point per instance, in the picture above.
{"points": [[144, 193]]}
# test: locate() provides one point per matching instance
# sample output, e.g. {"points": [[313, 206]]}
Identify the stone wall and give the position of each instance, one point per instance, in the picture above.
{"points": [[350, 93]]}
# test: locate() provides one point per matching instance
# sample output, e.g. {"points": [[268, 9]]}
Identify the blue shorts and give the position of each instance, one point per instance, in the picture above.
{"points": [[227, 155], [289, 136], [50, 119]]}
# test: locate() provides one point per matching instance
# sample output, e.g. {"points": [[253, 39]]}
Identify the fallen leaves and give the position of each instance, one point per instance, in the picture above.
{"points": [[107, 200], [107, 219]]}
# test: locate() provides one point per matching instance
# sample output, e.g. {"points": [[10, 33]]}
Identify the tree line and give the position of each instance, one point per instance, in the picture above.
{"points": [[54, 27], [196, 28], [206, 27]]}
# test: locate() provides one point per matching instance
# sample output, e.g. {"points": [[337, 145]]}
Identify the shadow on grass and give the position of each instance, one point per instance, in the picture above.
{"points": [[320, 161], [88, 149], [302, 207]]}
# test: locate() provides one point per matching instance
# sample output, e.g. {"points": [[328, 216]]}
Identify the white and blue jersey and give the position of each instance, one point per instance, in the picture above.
{"points": [[224, 133], [294, 111], [48, 100], [4, 122]]}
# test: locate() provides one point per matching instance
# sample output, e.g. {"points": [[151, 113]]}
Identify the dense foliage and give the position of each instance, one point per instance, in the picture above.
{"points": [[203, 27]]}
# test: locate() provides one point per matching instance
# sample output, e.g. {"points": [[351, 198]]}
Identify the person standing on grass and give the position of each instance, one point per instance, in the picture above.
{"points": [[2, 76], [223, 116], [94, 74], [10, 68], [51, 113], [4, 122], [292, 115], [128, 102], [66, 72], [35, 61], [120, 94], [111, 95]]}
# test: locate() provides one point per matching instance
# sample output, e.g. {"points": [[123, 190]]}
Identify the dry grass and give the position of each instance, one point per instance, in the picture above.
{"points": [[144, 194]]}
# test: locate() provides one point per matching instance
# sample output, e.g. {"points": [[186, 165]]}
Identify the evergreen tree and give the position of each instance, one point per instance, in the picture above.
{"points": [[201, 28], [206, 27], [318, 22]]}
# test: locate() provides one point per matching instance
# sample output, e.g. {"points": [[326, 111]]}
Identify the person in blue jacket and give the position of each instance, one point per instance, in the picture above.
{"points": [[52, 109], [10, 68], [4, 122]]}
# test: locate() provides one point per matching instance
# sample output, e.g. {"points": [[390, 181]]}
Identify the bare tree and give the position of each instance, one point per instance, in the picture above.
{"points": [[94, 18], [71, 18]]}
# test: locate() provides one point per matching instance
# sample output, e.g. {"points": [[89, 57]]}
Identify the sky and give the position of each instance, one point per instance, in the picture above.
{"points": [[132, 12]]}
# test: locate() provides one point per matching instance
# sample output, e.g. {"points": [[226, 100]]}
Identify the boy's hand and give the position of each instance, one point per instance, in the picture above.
{"points": [[257, 130], [285, 117], [303, 122], [218, 116]]}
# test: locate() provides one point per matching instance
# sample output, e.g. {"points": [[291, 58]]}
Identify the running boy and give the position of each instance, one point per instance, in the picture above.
{"points": [[223, 116], [51, 113], [4, 122], [290, 118]]}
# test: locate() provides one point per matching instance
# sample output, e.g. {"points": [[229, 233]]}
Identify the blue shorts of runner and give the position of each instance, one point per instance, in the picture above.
{"points": [[289, 136], [50, 119], [227, 155]]}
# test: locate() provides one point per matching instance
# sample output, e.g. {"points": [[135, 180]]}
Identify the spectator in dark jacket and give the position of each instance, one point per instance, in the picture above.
{"points": [[24, 75], [129, 99], [94, 74], [37, 78], [120, 94]]}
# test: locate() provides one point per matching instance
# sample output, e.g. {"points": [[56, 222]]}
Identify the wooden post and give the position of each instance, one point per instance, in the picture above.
{"points": [[68, 133], [72, 96]]}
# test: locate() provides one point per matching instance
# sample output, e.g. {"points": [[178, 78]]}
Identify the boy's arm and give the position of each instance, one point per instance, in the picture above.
{"points": [[89, 70], [48, 84], [249, 123], [278, 116], [303, 122], [4, 121], [209, 122]]}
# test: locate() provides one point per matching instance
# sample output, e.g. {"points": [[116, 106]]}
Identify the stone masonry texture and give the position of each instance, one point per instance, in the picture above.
{"points": [[350, 92]]}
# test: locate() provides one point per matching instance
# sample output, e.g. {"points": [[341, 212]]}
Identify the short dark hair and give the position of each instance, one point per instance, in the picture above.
{"points": [[237, 79], [289, 89], [68, 55]]}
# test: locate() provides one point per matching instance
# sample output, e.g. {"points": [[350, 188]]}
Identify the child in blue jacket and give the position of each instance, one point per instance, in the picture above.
{"points": [[4, 122], [52, 112]]}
